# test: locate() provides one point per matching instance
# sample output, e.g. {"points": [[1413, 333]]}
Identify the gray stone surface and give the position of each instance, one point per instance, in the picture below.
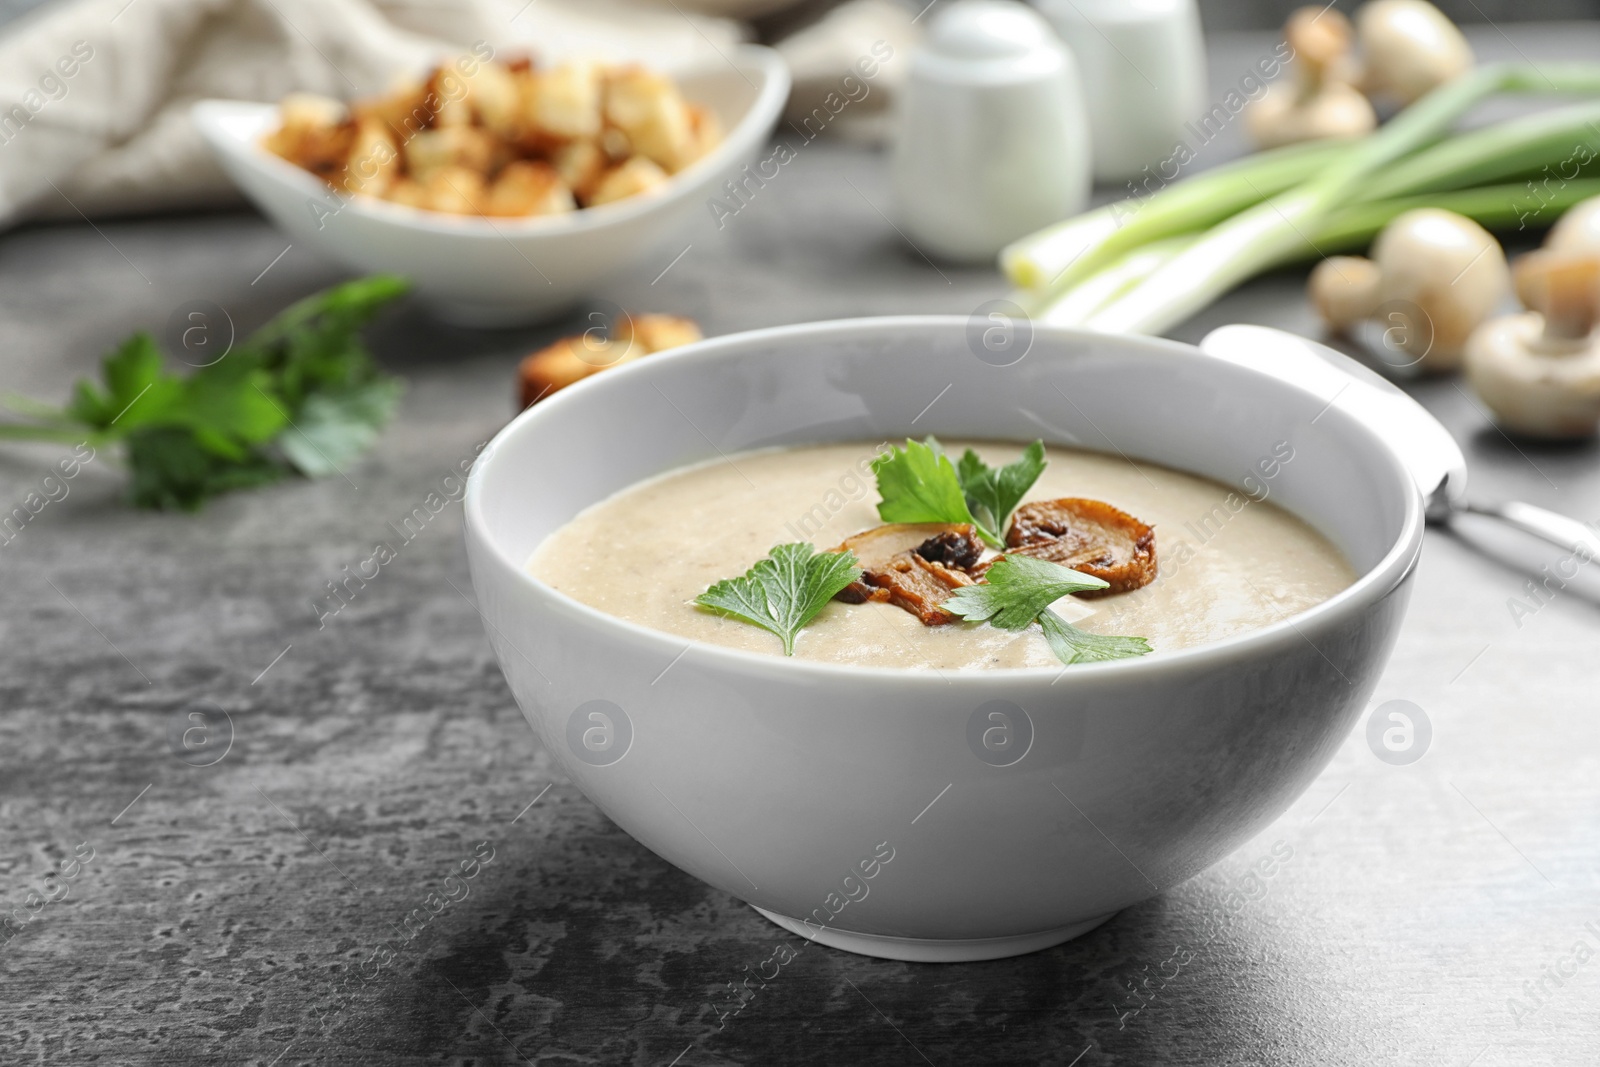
{"points": [[234, 913]]}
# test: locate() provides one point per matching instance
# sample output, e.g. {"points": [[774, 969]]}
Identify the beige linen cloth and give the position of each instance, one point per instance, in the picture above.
{"points": [[94, 94]]}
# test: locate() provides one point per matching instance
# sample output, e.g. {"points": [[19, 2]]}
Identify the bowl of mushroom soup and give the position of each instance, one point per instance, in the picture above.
{"points": [[904, 784]]}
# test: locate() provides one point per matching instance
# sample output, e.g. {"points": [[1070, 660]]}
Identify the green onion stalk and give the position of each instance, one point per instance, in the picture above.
{"points": [[1494, 207], [1282, 228]]}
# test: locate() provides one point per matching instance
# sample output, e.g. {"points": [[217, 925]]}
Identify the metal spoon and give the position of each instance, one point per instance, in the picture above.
{"points": [[1423, 443]]}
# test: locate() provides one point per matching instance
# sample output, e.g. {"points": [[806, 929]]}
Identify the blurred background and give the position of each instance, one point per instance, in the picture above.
{"points": [[1216, 14]]}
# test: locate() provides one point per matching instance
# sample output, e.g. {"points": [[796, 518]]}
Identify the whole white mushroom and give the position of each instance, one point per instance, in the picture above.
{"points": [[1318, 101], [1408, 48], [1434, 275], [1539, 371]]}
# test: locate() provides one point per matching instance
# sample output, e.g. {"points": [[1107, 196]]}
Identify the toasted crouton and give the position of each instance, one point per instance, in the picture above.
{"points": [[451, 146], [405, 110], [300, 111], [656, 332], [564, 102], [314, 134], [407, 192], [373, 162], [496, 98], [636, 176], [705, 131], [448, 92], [646, 106], [574, 358], [525, 188], [456, 191], [580, 165]]}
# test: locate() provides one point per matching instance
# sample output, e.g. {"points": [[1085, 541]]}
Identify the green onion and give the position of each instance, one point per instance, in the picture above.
{"points": [[1060, 255], [1143, 265], [1494, 207]]}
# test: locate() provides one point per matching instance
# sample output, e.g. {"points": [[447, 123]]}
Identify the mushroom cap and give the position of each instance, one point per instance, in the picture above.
{"points": [[1539, 393], [1319, 35], [1578, 229], [1451, 269], [1564, 288], [1410, 48]]}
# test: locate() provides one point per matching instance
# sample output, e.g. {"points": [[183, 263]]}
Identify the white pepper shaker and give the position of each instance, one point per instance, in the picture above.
{"points": [[991, 134], [1145, 60]]}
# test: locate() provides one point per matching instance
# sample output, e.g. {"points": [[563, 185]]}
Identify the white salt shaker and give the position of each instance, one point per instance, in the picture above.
{"points": [[991, 137], [1145, 62]]}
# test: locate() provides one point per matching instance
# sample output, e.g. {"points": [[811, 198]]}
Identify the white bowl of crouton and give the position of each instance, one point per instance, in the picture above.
{"points": [[503, 205]]}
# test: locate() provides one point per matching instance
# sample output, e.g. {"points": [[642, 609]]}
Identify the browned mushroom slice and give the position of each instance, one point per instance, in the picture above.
{"points": [[1089, 536], [913, 566]]}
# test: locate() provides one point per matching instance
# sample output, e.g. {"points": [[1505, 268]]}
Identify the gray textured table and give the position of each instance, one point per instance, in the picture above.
{"points": [[231, 913]]}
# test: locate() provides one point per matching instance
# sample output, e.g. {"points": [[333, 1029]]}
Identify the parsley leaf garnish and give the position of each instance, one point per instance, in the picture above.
{"points": [[1018, 590], [918, 483], [1072, 645], [992, 495], [784, 591], [299, 396]]}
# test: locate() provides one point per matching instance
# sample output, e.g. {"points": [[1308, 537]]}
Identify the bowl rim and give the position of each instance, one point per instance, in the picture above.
{"points": [[1389, 573], [762, 112]]}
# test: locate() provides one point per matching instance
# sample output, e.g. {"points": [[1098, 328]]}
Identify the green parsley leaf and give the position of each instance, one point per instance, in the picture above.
{"points": [[784, 591], [170, 469], [918, 483], [1072, 645], [1018, 590], [138, 392], [335, 427], [301, 394], [992, 495]]}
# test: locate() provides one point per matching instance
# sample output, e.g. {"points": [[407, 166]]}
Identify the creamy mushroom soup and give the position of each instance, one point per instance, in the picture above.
{"points": [[1227, 560]]}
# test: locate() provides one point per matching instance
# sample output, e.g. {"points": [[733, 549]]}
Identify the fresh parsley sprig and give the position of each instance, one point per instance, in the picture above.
{"points": [[784, 591], [1018, 591], [299, 396], [918, 483], [992, 495]]}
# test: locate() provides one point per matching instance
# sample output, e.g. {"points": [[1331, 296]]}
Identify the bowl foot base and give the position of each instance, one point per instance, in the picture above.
{"points": [[935, 950]]}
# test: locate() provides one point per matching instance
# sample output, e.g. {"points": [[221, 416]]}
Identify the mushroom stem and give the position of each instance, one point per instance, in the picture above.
{"points": [[1345, 290], [1564, 288]]}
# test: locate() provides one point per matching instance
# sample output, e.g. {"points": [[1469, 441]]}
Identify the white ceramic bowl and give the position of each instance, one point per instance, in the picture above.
{"points": [[491, 272], [787, 782]]}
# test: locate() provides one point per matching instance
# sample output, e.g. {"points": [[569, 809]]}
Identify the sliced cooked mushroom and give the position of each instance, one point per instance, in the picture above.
{"points": [[913, 566], [1089, 536]]}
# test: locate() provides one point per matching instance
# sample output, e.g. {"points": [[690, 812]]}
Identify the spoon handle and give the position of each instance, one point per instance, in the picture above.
{"points": [[1579, 538]]}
